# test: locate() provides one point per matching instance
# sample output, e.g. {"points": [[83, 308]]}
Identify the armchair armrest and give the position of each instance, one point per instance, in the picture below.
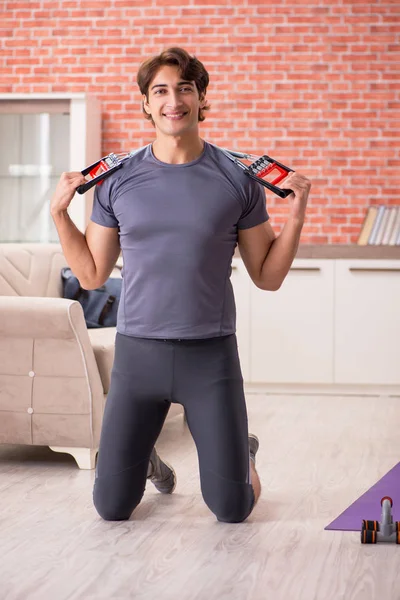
{"points": [[48, 368], [23, 316]]}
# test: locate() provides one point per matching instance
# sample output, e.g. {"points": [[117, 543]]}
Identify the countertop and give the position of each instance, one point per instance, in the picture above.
{"points": [[348, 251], [345, 251]]}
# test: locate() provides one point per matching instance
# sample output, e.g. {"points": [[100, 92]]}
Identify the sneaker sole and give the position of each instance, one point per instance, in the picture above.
{"points": [[254, 437], [175, 480]]}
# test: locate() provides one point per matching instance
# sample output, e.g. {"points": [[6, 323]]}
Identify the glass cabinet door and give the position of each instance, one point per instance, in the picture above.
{"points": [[34, 153]]}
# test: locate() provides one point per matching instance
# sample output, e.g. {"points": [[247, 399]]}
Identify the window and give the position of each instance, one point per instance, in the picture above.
{"points": [[39, 139]]}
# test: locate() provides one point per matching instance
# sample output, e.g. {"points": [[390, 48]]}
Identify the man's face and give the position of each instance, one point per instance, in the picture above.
{"points": [[172, 102]]}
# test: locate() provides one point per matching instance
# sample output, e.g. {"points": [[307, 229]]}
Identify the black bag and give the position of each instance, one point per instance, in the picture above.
{"points": [[100, 306]]}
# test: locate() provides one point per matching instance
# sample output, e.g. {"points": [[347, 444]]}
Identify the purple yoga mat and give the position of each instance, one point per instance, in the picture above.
{"points": [[368, 506]]}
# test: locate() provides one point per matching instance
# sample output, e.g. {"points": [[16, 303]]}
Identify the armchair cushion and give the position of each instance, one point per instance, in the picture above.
{"points": [[31, 270]]}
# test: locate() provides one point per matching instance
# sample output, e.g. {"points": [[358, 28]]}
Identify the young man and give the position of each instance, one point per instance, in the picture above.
{"points": [[177, 209]]}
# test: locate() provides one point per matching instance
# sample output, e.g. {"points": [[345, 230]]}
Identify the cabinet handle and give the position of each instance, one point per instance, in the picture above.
{"points": [[305, 268], [376, 269]]}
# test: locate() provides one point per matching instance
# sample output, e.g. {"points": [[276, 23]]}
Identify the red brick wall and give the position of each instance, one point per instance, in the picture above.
{"points": [[313, 84]]}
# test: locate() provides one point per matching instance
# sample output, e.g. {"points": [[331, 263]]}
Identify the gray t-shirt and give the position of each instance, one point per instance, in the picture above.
{"points": [[178, 229]]}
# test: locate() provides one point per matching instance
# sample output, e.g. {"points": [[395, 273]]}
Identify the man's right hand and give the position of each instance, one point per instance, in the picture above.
{"points": [[65, 191]]}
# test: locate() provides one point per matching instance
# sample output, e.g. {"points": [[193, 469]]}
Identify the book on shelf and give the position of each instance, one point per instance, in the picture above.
{"points": [[392, 213], [395, 235], [367, 226], [381, 226], [377, 224]]}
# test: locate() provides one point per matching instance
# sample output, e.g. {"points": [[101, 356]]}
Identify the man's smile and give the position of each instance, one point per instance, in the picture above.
{"points": [[175, 116]]}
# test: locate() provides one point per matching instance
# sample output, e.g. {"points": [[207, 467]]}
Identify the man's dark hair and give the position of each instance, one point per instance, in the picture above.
{"points": [[191, 69]]}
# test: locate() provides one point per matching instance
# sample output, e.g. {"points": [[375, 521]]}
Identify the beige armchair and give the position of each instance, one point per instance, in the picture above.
{"points": [[54, 372]]}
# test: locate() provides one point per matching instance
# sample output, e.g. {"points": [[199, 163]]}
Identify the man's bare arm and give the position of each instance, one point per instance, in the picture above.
{"points": [[268, 257], [92, 255]]}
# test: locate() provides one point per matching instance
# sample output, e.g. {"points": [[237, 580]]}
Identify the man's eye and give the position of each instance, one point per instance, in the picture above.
{"points": [[186, 89]]}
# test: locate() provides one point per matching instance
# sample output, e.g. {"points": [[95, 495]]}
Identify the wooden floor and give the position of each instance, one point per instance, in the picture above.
{"points": [[317, 455]]}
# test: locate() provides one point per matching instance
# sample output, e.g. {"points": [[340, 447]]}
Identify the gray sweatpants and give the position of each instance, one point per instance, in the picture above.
{"points": [[205, 377]]}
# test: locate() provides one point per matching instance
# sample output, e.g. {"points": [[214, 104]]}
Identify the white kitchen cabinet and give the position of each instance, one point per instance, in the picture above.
{"points": [[292, 329], [367, 322], [241, 284]]}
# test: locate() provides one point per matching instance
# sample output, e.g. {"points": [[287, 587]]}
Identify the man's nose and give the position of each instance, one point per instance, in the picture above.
{"points": [[173, 98]]}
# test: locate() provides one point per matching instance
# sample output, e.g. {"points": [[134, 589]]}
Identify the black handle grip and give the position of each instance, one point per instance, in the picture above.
{"points": [[86, 186], [272, 188], [281, 193], [89, 184]]}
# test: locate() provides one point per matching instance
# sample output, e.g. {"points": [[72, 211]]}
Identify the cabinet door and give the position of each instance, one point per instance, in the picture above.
{"points": [[292, 329], [367, 315], [241, 283]]}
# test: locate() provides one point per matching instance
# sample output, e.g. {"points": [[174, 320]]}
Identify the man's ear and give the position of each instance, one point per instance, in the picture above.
{"points": [[146, 104], [203, 100]]}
